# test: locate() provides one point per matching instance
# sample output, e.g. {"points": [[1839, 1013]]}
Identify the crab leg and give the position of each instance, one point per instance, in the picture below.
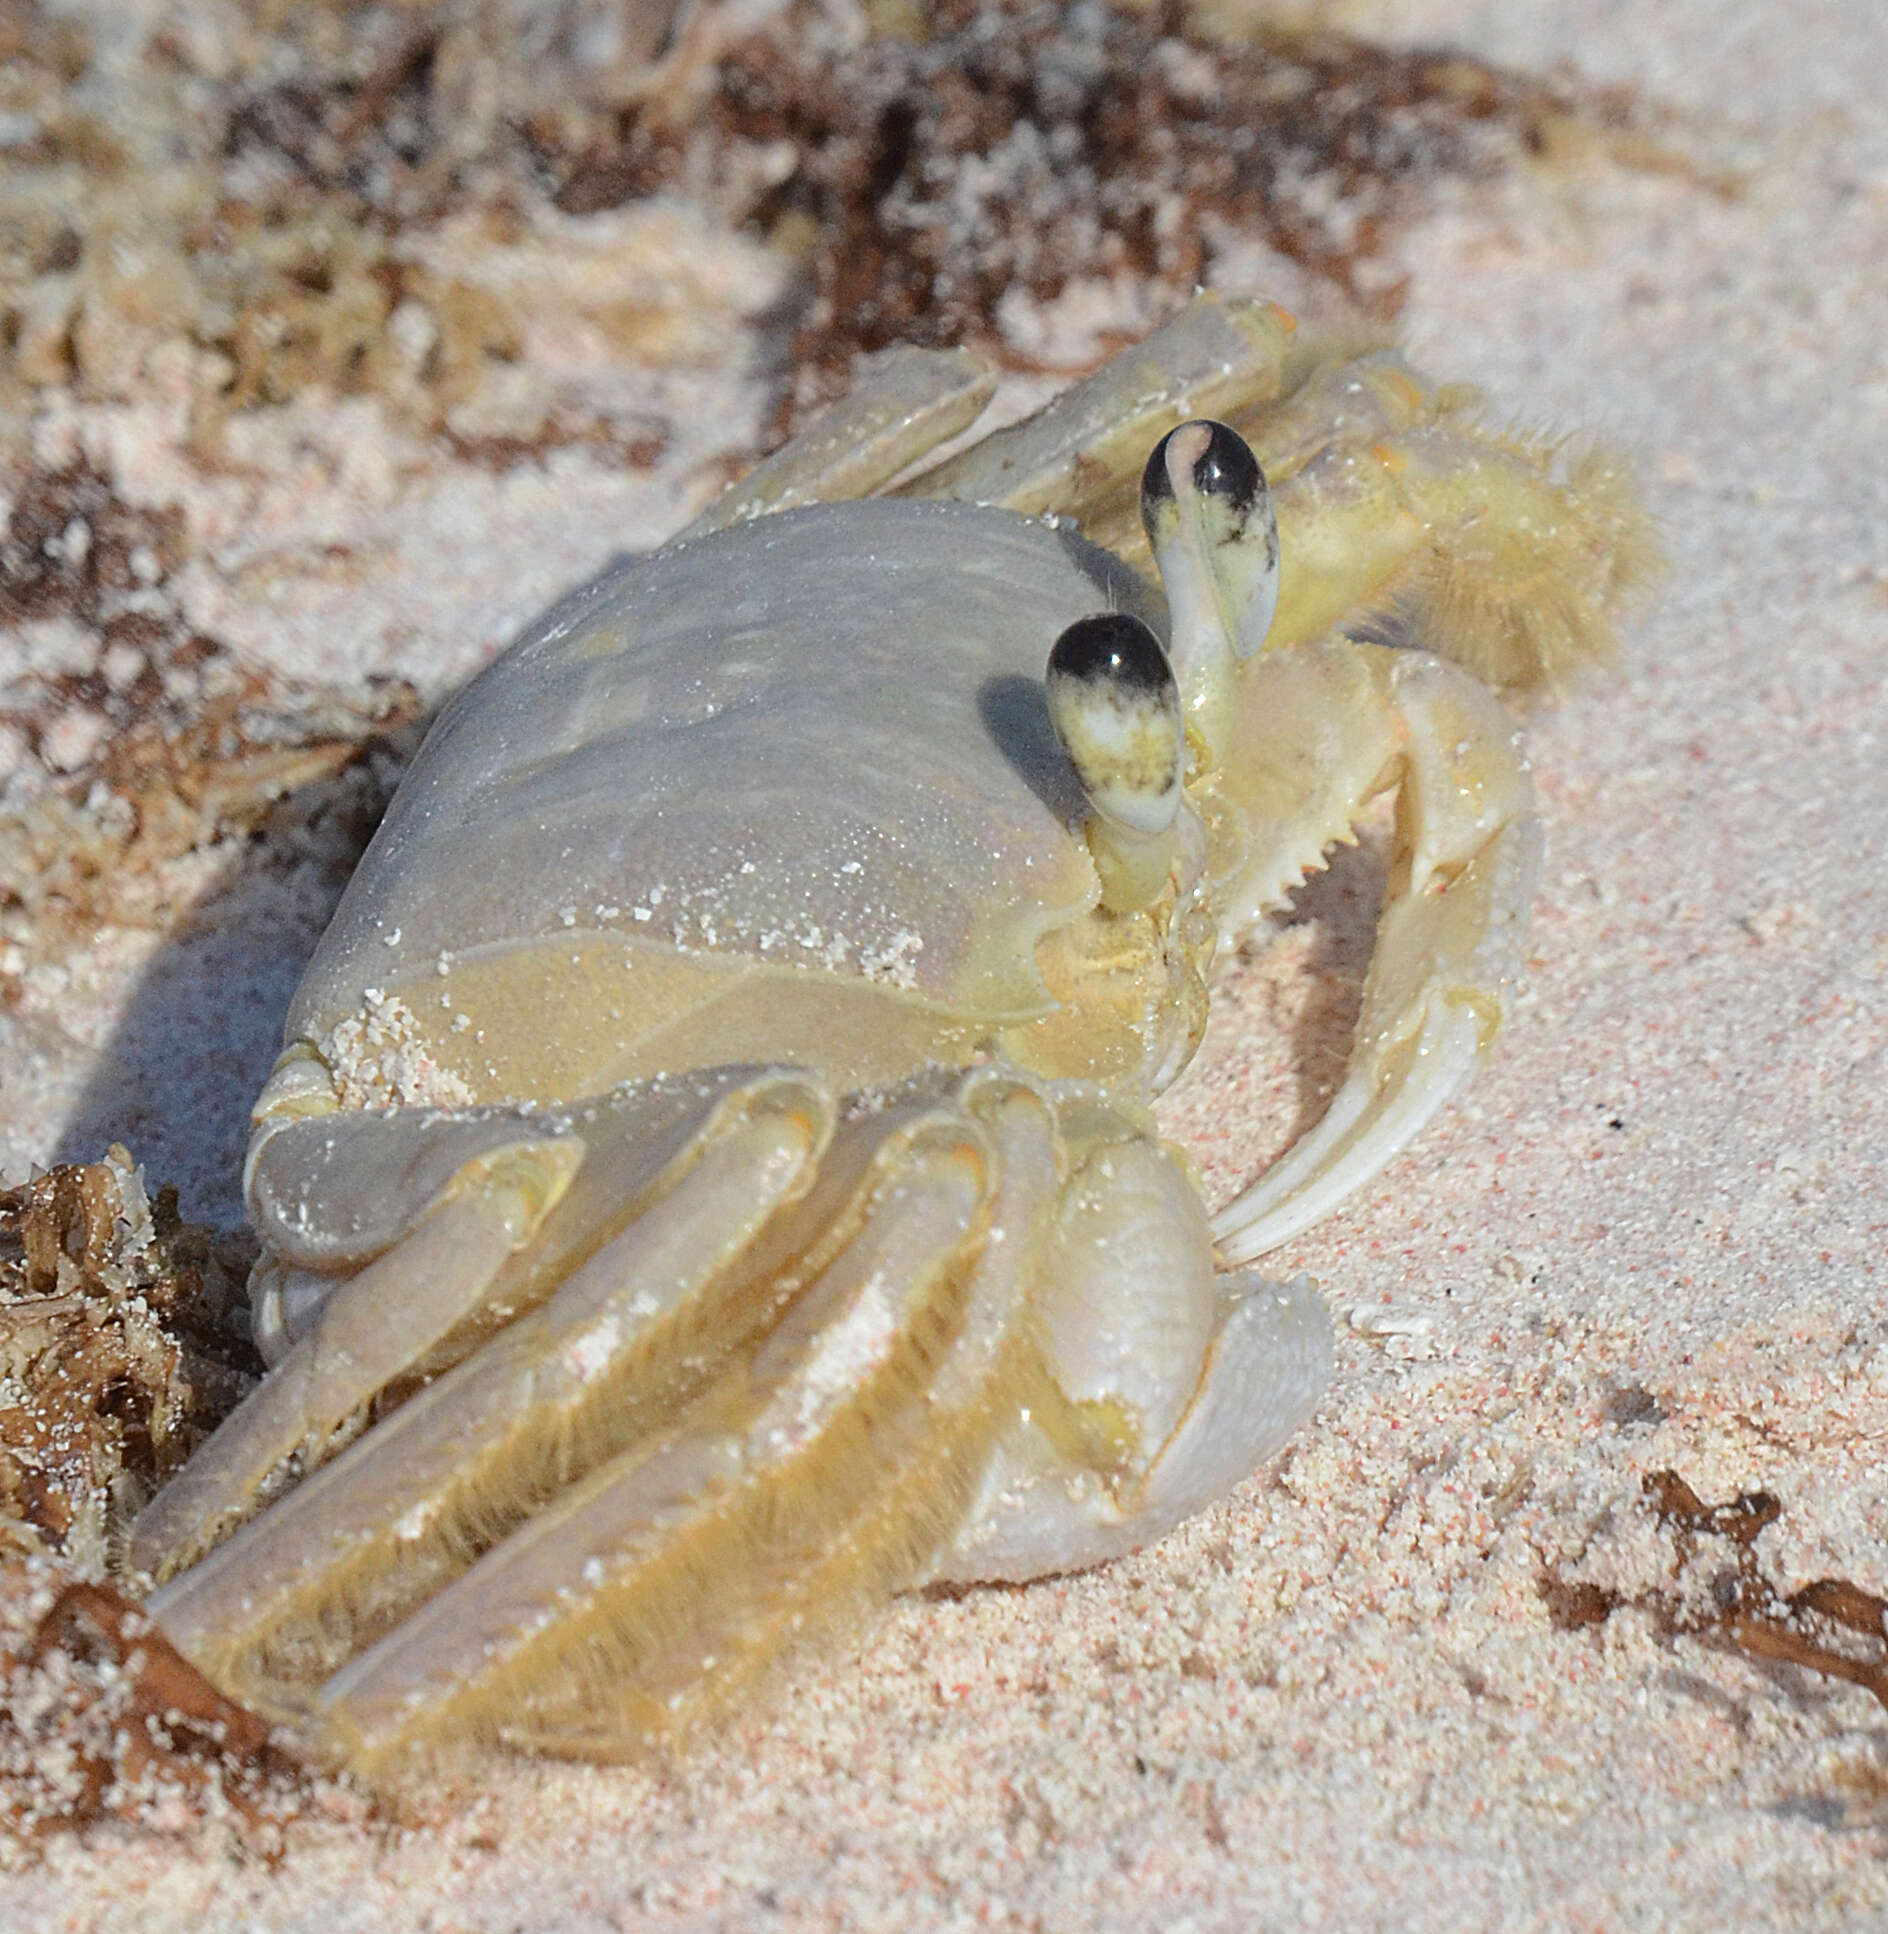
{"points": [[927, 1456], [1505, 556], [1511, 552], [1083, 452], [1078, 456], [629, 1338], [428, 1211], [905, 402], [1360, 399], [365, 1334], [620, 1605], [1321, 731]]}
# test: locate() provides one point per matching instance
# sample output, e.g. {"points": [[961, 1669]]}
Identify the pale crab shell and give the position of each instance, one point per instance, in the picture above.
{"points": [[785, 794]]}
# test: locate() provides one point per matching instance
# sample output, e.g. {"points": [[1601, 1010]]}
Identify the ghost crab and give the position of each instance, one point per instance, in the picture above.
{"points": [[709, 1177]]}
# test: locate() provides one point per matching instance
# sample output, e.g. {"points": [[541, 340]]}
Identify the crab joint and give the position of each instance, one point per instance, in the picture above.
{"points": [[1115, 707], [1208, 516]]}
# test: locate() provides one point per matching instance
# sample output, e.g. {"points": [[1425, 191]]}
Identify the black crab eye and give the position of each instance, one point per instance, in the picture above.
{"points": [[1115, 708], [1219, 464], [1227, 469], [1111, 651]]}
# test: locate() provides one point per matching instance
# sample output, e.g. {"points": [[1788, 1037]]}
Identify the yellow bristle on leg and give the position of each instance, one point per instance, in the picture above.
{"points": [[1508, 556], [622, 1590], [1523, 583], [615, 1357], [930, 1458]]}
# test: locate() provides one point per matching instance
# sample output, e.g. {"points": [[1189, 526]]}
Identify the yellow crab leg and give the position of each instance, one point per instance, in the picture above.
{"points": [[927, 1457], [425, 1232], [1501, 554], [363, 1337], [1083, 452], [406, 1509], [905, 403], [616, 1590]]}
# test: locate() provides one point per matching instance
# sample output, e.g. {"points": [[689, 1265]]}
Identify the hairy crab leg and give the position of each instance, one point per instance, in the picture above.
{"points": [[1506, 556], [363, 1337], [630, 1580], [425, 1226], [1079, 456], [1358, 399], [1292, 740], [1449, 944], [1511, 552], [928, 1456], [628, 1340]]}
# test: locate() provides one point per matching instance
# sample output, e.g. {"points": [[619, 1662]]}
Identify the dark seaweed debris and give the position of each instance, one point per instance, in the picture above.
{"points": [[105, 1721], [118, 1356], [997, 151], [1028, 149], [118, 1351], [271, 173], [1830, 1627]]}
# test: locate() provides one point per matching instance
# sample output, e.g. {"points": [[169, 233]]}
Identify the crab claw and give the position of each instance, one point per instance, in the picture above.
{"points": [[1322, 730], [1157, 1384]]}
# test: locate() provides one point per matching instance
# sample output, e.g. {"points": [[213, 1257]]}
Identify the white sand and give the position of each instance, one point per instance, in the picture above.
{"points": [[1338, 1699]]}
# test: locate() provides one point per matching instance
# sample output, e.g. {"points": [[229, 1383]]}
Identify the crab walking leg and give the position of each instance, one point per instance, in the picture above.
{"points": [[1084, 451], [1467, 852], [365, 1334], [905, 403], [928, 1455], [440, 1218], [615, 1584], [628, 1340], [1508, 555]]}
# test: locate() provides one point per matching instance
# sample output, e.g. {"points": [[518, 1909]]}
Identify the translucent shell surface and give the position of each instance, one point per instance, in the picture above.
{"points": [[815, 744]]}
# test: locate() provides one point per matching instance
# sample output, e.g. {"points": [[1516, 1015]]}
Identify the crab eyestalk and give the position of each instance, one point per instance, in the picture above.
{"points": [[1208, 516], [1115, 706]]}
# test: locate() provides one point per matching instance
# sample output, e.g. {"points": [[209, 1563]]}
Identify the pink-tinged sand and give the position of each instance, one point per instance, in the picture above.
{"points": [[1655, 1236]]}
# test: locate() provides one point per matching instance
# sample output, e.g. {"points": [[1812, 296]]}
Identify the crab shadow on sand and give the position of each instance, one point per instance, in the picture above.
{"points": [[175, 1076]]}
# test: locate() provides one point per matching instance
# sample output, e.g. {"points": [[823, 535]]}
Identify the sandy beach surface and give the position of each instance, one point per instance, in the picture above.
{"points": [[1449, 1664]]}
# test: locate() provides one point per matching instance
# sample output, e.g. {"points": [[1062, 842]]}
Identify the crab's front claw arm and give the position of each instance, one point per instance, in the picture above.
{"points": [[1157, 1385], [1321, 731]]}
